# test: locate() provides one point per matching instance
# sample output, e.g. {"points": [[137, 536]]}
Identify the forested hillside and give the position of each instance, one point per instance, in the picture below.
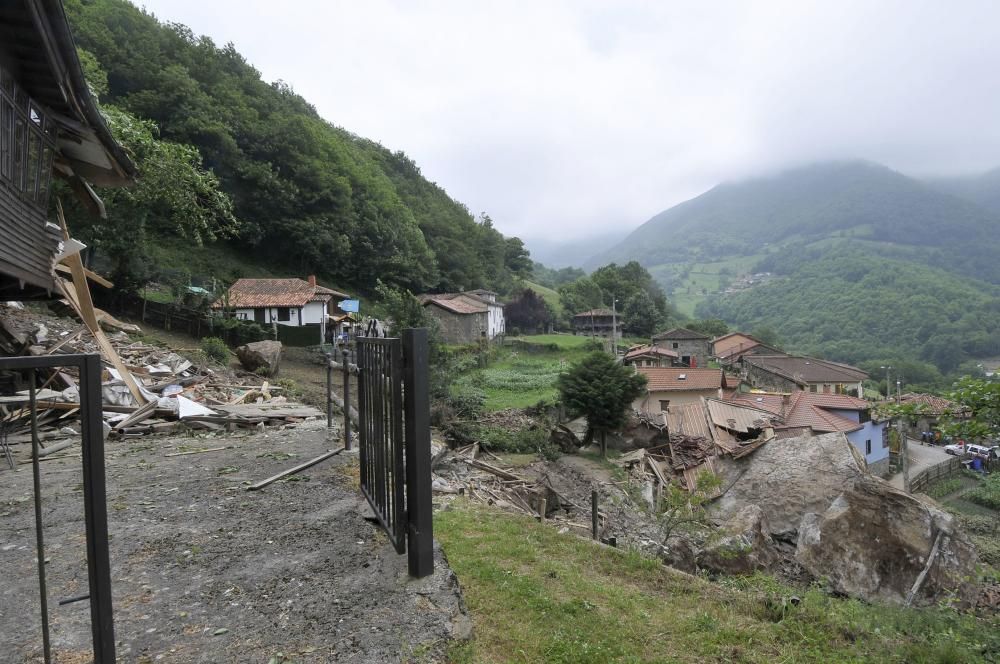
{"points": [[848, 260], [306, 196], [847, 301]]}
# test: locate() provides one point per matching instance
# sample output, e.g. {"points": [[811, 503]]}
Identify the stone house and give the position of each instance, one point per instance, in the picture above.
{"points": [[788, 373], [49, 125], [813, 413], [465, 318], [693, 348], [674, 386]]}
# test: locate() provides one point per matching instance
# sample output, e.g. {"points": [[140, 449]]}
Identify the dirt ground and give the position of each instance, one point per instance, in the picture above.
{"points": [[205, 571]]}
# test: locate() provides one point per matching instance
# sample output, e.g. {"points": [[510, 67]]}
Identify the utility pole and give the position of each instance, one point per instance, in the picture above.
{"points": [[902, 442], [614, 326]]}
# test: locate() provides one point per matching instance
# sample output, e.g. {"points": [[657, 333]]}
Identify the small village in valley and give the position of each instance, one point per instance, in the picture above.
{"points": [[220, 460]]}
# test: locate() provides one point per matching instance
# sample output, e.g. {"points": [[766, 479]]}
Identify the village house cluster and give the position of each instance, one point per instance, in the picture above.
{"points": [[791, 395]]}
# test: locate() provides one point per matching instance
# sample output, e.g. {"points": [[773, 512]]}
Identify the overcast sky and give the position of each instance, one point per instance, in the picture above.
{"points": [[569, 116]]}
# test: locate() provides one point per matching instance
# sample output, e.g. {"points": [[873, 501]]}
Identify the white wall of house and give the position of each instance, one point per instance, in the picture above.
{"points": [[271, 316], [314, 313], [495, 325]]}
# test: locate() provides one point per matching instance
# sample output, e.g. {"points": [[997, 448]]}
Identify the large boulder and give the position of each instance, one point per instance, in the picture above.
{"points": [[745, 547], [874, 542], [789, 478], [262, 357]]}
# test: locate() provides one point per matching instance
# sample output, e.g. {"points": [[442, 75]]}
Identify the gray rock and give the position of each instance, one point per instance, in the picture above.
{"points": [[745, 547], [874, 541], [258, 355], [789, 478]]}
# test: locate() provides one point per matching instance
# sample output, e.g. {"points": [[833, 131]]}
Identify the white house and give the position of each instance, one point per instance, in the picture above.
{"points": [[291, 302]]}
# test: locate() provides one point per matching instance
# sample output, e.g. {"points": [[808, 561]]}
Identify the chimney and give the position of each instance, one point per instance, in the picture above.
{"points": [[785, 401], [311, 279]]}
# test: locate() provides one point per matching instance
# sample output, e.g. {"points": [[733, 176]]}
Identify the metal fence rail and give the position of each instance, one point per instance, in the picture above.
{"points": [[94, 498], [380, 403], [394, 441]]}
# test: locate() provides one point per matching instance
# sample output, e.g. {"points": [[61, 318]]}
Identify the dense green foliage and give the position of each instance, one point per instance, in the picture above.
{"points": [[846, 302], [600, 389], [309, 196], [987, 493], [978, 416], [528, 313], [553, 278], [640, 301]]}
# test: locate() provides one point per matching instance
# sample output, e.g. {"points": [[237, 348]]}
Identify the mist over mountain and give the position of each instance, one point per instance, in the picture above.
{"points": [[850, 260]]}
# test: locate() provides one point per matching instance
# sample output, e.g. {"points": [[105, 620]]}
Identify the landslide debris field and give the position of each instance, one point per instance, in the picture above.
{"points": [[205, 571]]}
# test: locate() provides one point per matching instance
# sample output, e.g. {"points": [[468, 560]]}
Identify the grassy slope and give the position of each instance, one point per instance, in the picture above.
{"points": [[520, 379], [550, 296], [536, 595]]}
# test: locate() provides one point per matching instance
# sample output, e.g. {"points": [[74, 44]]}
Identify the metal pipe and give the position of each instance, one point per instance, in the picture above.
{"points": [[39, 537]]}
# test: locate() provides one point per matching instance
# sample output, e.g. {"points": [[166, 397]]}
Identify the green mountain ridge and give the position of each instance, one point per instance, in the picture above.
{"points": [[866, 264]]}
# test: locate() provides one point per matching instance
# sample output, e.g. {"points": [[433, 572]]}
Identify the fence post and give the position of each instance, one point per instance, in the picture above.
{"points": [[345, 358], [417, 407], [329, 391]]}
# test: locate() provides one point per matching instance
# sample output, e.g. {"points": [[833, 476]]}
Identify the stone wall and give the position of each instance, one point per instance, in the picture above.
{"points": [[458, 328], [763, 379], [697, 349]]}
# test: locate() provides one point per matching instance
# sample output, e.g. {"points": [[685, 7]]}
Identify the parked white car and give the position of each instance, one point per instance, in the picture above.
{"points": [[957, 450], [982, 451]]}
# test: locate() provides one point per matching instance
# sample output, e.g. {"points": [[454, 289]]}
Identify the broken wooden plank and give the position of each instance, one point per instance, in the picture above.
{"points": [[208, 449], [93, 276], [499, 472], [294, 469]]}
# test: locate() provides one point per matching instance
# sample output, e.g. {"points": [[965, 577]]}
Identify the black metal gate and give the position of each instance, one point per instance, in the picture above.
{"points": [[94, 498], [394, 441]]}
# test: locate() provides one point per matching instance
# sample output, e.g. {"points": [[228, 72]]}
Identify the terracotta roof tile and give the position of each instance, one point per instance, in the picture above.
{"points": [[809, 409], [642, 351], [681, 378], [255, 293], [680, 333]]}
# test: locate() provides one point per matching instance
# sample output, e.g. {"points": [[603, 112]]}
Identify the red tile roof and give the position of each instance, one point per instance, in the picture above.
{"points": [[459, 305], [256, 293], [681, 378], [808, 409]]}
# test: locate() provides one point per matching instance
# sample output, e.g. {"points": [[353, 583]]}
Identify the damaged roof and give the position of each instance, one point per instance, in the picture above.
{"points": [[808, 409], [644, 351]]}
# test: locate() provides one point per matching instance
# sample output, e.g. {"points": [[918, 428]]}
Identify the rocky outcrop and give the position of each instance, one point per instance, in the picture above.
{"points": [[745, 547], [789, 478], [261, 357], [881, 544]]}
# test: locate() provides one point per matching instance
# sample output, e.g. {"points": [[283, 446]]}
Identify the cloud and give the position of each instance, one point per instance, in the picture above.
{"points": [[569, 117]]}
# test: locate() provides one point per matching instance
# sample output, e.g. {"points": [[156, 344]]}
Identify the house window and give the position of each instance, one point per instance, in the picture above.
{"points": [[675, 344], [27, 140], [885, 438], [865, 416], [812, 388], [664, 404], [686, 360], [283, 314], [868, 446]]}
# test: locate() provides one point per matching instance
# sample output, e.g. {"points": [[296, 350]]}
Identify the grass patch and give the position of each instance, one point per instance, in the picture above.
{"points": [[550, 296], [944, 487], [987, 493], [538, 596], [564, 341]]}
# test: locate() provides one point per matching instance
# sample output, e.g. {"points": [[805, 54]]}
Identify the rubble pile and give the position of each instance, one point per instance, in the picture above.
{"points": [[145, 389]]}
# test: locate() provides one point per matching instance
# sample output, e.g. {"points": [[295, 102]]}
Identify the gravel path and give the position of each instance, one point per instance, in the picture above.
{"points": [[204, 571]]}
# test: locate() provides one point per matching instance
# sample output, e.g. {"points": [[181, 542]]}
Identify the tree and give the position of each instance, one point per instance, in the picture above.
{"points": [[581, 295], [640, 315], [601, 390], [714, 327], [980, 399], [680, 510], [528, 312]]}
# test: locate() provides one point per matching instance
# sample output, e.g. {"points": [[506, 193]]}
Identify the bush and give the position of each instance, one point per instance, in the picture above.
{"points": [[514, 331], [987, 493], [216, 349]]}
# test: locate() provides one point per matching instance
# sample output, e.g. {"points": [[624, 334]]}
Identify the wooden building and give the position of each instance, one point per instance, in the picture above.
{"points": [[49, 125]]}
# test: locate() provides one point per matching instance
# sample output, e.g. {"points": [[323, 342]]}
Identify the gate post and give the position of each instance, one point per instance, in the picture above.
{"points": [[416, 396]]}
